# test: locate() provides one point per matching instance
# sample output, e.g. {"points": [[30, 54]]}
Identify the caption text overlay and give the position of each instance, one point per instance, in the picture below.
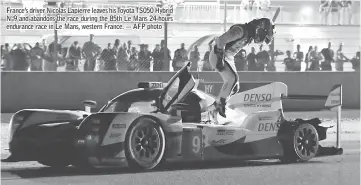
{"points": [[132, 17]]}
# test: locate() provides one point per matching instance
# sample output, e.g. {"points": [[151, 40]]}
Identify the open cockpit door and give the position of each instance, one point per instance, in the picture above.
{"points": [[177, 88]]}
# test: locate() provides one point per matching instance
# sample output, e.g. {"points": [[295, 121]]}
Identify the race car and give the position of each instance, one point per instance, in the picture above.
{"points": [[145, 127]]}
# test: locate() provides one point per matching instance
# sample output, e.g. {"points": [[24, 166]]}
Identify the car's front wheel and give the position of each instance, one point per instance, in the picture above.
{"points": [[145, 144]]}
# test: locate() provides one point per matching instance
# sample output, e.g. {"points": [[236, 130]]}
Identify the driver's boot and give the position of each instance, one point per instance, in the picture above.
{"points": [[221, 107]]}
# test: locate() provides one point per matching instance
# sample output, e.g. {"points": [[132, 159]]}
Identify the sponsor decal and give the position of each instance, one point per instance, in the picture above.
{"points": [[221, 141], [252, 105], [257, 97], [119, 126], [225, 132], [265, 118], [335, 101], [95, 129], [114, 135], [268, 127], [95, 121]]}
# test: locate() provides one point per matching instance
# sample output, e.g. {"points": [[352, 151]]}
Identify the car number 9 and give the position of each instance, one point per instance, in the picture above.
{"points": [[196, 143]]}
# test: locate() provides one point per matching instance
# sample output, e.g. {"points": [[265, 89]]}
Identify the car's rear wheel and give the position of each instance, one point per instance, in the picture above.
{"points": [[145, 144], [302, 145]]}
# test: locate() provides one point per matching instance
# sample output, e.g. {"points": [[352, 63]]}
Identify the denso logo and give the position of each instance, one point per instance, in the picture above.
{"points": [[267, 127], [257, 97]]}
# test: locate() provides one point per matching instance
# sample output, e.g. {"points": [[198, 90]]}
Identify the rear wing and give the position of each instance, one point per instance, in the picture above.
{"points": [[334, 103], [265, 97]]}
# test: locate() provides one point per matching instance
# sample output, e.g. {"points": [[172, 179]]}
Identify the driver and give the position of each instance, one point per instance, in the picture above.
{"points": [[227, 46]]}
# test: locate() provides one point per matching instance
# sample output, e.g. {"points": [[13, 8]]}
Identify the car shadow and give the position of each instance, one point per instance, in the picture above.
{"points": [[174, 166]]}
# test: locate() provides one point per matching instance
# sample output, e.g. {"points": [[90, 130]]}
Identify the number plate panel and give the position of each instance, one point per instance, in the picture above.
{"points": [[192, 143]]}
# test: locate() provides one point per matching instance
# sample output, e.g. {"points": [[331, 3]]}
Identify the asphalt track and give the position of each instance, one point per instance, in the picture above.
{"points": [[332, 170]]}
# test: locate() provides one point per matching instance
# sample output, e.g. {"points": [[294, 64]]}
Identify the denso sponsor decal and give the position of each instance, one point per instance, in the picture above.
{"points": [[268, 127], [119, 126], [225, 132], [114, 135], [257, 97]]}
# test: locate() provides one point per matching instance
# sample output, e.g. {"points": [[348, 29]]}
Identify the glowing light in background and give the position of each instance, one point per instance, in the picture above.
{"points": [[305, 14], [306, 11]]}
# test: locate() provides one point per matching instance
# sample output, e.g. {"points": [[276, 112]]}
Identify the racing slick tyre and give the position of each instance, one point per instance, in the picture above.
{"points": [[301, 144], [144, 144], [55, 163]]}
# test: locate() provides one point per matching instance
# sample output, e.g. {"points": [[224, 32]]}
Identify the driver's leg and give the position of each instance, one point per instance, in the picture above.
{"points": [[229, 77]]}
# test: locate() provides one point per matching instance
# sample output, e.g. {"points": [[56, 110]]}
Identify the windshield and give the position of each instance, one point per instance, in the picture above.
{"points": [[139, 100], [137, 107]]}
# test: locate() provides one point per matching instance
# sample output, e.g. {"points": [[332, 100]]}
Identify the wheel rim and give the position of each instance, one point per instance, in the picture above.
{"points": [[306, 142], [145, 144]]}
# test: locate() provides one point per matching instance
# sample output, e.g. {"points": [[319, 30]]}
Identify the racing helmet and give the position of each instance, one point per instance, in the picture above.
{"points": [[264, 30]]}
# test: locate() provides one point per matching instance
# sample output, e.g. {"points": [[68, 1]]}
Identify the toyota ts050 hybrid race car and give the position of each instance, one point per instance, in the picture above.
{"points": [[144, 127]]}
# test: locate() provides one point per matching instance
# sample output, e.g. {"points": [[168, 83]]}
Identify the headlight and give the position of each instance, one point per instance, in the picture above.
{"points": [[15, 122]]}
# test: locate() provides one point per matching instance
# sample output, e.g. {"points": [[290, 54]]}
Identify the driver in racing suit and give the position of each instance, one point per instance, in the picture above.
{"points": [[227, 46]]}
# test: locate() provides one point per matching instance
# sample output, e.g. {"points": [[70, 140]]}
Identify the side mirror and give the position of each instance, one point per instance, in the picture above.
{"points": [[89, 104]]}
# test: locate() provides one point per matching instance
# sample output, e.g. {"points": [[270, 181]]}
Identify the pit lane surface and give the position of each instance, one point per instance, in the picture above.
{"points": [[344, 169]]}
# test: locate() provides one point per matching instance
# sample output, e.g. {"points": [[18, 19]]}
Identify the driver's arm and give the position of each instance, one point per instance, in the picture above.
{"points": [[234, 33]]}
